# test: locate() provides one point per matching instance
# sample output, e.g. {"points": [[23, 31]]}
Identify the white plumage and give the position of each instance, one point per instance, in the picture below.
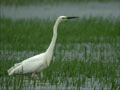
{"points": [[38, 63], [34, 64]]}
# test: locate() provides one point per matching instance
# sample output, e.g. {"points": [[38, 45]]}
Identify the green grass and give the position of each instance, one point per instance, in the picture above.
{"points": [[28, 2], [34, 34], [96, 40]]}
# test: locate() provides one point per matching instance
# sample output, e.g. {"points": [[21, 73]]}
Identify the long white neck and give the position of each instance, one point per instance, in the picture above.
{"points": [[52, 44]]}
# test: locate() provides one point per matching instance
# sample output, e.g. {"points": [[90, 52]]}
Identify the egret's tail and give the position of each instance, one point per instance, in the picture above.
{"points": [[12, 69]]}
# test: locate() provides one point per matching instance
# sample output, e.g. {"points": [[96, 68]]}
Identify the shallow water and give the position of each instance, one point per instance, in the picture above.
{"points": [[80, 51], [90, 83], [91, 9]]}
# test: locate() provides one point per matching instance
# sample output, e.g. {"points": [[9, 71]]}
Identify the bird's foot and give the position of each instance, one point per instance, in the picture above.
{"points": [[33, 74], [41, 74]]}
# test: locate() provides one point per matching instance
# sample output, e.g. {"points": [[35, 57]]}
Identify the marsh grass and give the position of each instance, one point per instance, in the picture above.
{"points": [[87, 38], [34, 34], [62, 71]]}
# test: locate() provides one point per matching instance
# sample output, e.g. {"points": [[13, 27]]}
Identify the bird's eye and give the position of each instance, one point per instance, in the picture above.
{"points": [[64, 17]]}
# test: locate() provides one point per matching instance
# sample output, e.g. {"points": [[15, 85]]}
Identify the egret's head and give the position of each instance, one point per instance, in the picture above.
{"points": [[66, 17]]}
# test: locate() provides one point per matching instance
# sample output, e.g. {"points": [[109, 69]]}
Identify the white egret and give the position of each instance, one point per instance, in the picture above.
{"points": [[38, 63]]}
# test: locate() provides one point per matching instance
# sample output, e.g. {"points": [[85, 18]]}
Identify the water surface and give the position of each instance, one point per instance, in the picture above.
{"points": [[91, 9]]}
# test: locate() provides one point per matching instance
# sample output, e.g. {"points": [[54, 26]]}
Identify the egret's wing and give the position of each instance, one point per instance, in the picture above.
{"points": [[35, 58], [12, 68], [29, 65]]}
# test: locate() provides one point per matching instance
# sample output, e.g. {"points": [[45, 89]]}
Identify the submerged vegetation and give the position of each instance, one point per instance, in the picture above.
{"points": [[87, 51]]}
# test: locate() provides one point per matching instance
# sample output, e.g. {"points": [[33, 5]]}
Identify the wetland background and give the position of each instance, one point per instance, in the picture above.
{"points": [[87, 52]]}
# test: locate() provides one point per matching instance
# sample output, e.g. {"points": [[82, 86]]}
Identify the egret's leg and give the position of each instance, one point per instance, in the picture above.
{"points": [[41, 74], [33, 74]]}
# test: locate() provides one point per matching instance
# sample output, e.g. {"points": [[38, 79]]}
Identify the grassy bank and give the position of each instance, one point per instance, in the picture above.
{"points": [[29, 2], [87, 51]]}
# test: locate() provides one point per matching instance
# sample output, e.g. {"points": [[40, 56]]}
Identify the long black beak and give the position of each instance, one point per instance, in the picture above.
{"points": [[72, 17]]}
